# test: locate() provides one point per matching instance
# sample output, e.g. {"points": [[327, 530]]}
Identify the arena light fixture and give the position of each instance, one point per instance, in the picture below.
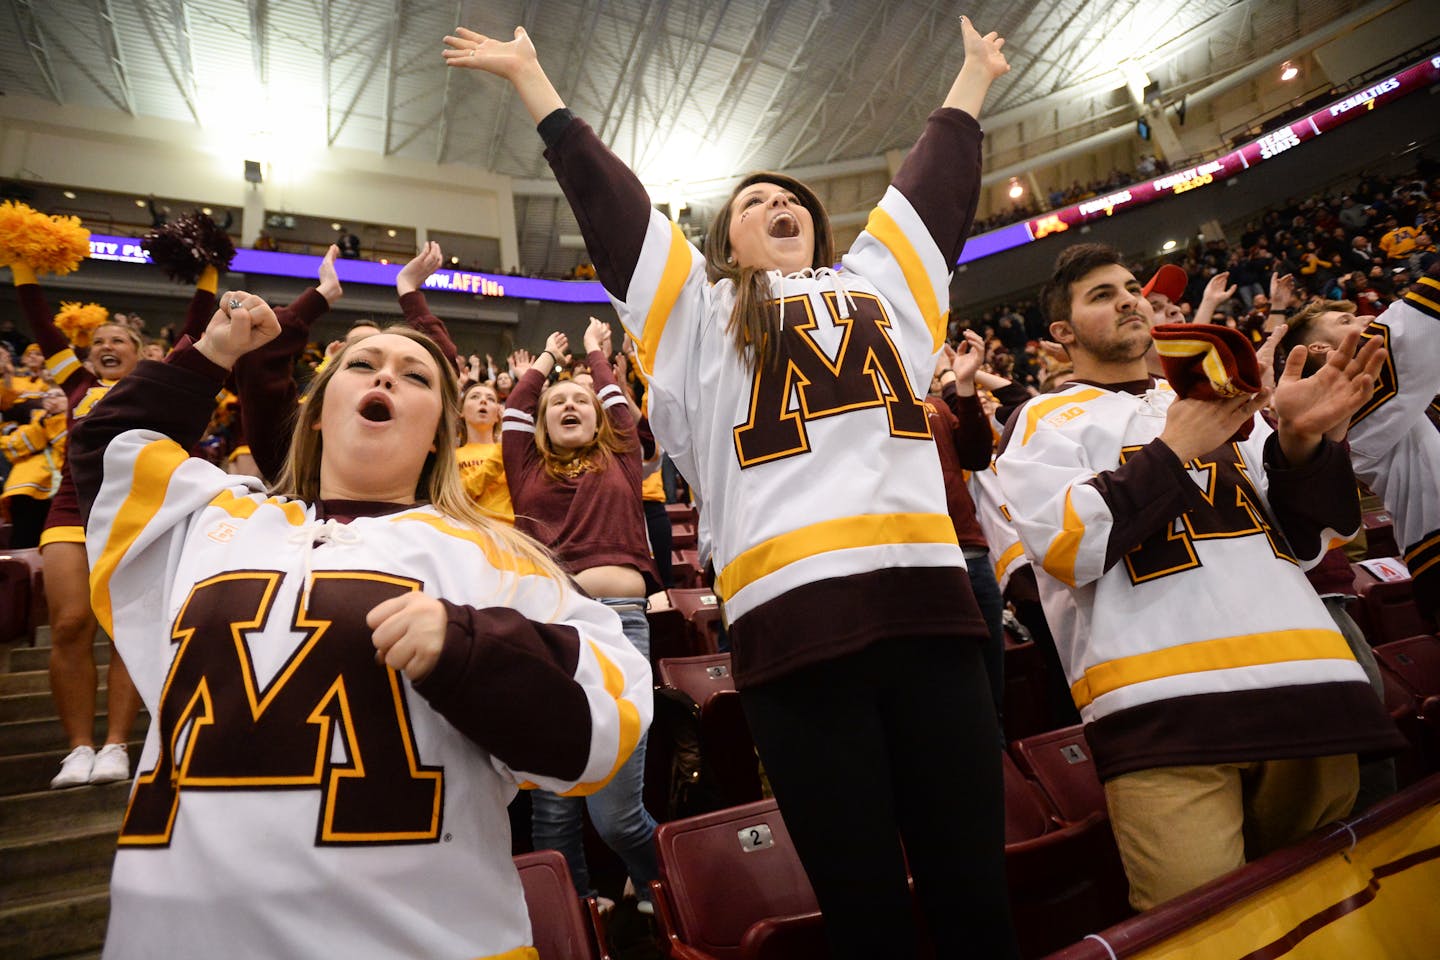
{"points": [[390, 233], [1169, 245], [69, 194], [1017, 190], [1288, 70], [206, 210], [334, 226], [139, 203]]}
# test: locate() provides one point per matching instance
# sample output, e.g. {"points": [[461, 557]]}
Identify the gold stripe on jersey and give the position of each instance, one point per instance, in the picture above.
{"points": [[883, 227], [1222, 653], [672, 281], [243, 508], [62, 535], [1423, 555], [1040, 409], [62, 365], [628, 736], [1210, 361], [155, 464], [499, 559], [1012, 553], [519, 953], [1059, 560], [843, 533], [1426, 304]]}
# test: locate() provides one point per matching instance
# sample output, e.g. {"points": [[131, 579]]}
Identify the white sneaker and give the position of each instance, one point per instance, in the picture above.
{"points": [[111, 763], [75, 768]]}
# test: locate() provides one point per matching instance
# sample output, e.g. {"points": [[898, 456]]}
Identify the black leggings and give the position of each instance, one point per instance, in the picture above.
{"points": [[27, 521], [896, 741], [657, 524]]}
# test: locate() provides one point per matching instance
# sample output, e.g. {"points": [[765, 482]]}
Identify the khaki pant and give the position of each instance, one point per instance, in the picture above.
{"points": [[1180, 827]]}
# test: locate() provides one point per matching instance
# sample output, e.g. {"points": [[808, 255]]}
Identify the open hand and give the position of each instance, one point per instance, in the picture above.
{"points": [[965, 361], [329, 286], [408, 632], [414, 274], [1195, 427], [597, 336], [559, 347], [503, 58], [983, 52], [1310, 407], [236, 330], [520, 362]]}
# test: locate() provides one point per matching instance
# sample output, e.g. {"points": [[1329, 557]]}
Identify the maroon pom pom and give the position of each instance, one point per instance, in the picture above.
{"points": [[185, 246]]}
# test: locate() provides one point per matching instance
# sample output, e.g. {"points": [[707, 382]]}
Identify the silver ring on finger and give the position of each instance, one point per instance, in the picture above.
{"points": [[233, 304]]}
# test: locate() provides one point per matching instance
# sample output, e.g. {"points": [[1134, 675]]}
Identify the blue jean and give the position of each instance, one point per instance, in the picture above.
{"points": [[617, 810], [992, 607]]}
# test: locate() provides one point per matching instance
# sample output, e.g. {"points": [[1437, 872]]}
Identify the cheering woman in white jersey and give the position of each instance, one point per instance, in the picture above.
{"points": [[790, 396]]}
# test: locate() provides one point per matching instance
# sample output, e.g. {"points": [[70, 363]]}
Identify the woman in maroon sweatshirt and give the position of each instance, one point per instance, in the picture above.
{"points": [[573, 462]]}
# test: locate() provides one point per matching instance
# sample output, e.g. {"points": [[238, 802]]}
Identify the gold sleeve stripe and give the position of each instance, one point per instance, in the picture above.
{"points": [[1223, 653], [883, 227], [155, 464], [1210, 361], [672, 281], [62, 365], [519, 953], [1425, 304], [62, 535], [1011, 554], [629, 735], [499, 559], [1039, 409], [1060, 557], [244, 507], [844, 533]]}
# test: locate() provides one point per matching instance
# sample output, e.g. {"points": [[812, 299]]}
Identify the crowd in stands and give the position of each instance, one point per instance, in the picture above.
{"points": [[492, 533]]}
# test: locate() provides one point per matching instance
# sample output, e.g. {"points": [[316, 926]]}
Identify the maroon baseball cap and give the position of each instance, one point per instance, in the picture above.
{"points": [[1169, 281]]}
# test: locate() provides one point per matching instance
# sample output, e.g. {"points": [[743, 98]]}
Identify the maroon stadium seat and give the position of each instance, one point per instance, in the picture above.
{"points": [[1416, 661], [682, 513], [683, 536], [685, 569], [728, 761], [723, 873], [1060, 762], [697, 676], [39, 609], [701, 609], [1379, 535], [563, 926], [1065, 879]]}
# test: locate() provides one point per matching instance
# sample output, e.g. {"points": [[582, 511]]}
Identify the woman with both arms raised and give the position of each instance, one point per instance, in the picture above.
{"points": [[788, 395]]}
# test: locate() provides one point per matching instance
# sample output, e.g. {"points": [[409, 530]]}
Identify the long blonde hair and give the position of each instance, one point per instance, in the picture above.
{"points": [[595, 456], [439, 483]]}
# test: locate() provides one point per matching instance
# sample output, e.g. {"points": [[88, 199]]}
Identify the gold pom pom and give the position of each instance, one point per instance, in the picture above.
{"points": [[44, 243], [79, 321]]}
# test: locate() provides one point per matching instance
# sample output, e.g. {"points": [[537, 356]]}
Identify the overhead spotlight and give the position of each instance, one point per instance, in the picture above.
{"points": [[69, 194], [1169, 245], [390, 233], [385, 261], [139, 203], [334, 226], [1017, 190], [1288, 70], [206, 210], [454, 260]]}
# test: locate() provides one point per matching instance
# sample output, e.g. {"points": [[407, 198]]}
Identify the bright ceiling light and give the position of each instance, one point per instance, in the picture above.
{"points": [[69, 194], [206, 210], [139, 203], [1288, 71], [1169, 245], [390, 232], [334, 226], [1016, 190], [454, 259]]}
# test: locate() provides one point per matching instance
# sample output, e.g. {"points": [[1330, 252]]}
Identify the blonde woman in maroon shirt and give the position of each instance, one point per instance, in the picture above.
{"points": [[573, 463]]}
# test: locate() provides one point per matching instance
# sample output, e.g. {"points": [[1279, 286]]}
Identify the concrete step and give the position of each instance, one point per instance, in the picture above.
{"points": [[32, 736], [26, 815], [27, 681], [31, 772], [51, 862], [38, 656], [55, 926], [39, 704]]}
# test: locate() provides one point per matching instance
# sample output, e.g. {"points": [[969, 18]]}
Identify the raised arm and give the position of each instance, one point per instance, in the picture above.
{"points": [[37, 311], [202, 304], [613, 401], [610, 204], [265, 377], [417, 312]]}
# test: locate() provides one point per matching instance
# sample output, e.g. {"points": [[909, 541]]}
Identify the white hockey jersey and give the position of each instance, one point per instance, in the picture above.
{"points": [[1394, 442], [294, 799], [1204, 643]]}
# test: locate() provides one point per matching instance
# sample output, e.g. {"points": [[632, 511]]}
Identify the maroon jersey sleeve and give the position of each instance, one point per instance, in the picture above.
{"points": [[973, 439], [418, 315], [941, 178]]}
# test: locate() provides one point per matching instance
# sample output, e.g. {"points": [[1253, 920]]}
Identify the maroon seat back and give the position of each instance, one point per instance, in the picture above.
{"points": [[681, 513], [1379, 535], [701, 610], [1060, 762], [1388, 610], [697, 676], [563, 926], [39, 608], [1416, 661], [728, 761], [14, 600], [723, 872]]}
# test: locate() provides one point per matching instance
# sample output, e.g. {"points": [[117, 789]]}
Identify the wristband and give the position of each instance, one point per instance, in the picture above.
{"points": [[550, 353]]}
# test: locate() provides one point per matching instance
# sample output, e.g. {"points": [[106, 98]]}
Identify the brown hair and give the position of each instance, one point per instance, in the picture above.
{"points": [[439, 483], [1300, 329], [754, 327], [595, 456], [1072, 265], [462, 426]]}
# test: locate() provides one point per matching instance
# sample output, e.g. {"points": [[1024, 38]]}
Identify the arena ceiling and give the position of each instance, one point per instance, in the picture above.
{"points": [[690, 92]]}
